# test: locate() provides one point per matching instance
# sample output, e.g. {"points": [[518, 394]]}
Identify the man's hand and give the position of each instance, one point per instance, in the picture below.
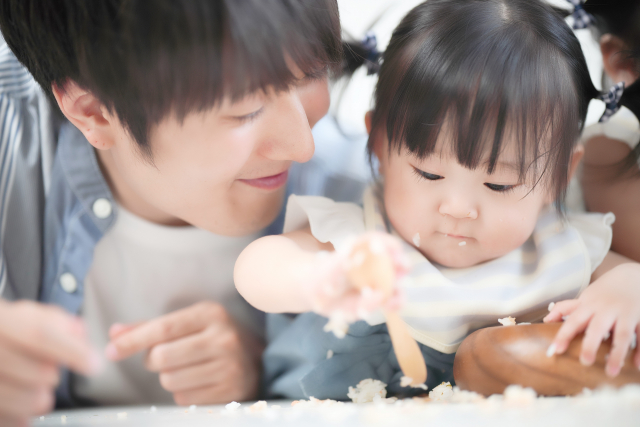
{"points": [[35, 339], [610, 305], [201, 355]]}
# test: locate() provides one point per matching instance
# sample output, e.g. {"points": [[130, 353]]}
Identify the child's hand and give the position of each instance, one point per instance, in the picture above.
{"points": [[331, 292], [611, 302]]}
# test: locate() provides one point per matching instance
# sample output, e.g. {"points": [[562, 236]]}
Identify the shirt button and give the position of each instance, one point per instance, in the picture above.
{"points": [[68, 283], [102, 208]]}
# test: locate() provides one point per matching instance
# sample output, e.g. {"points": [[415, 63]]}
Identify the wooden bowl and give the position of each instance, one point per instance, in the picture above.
{"points": [[490, 359]]}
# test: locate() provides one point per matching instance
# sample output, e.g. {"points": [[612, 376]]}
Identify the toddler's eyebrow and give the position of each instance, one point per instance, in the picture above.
{"points": [[504, 165]]}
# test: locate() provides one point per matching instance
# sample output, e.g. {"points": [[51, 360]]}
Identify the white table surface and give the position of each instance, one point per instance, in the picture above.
{"points": [[611, 408]]}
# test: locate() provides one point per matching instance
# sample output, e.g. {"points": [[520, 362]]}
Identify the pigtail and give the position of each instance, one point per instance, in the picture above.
{"points": [[363, 53], [631, 99]]}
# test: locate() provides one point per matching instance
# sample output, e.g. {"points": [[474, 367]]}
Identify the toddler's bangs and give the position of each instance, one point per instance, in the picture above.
{"points": [[490, 78]]}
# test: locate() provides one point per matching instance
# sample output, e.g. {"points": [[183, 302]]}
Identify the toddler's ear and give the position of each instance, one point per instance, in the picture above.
{"points": [[617, 63], [378, 146], [367, 121], [86, 113], [576, 157]]}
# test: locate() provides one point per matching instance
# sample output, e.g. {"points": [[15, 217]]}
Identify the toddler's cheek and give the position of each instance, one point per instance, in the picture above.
{"points": [[505, 239]]}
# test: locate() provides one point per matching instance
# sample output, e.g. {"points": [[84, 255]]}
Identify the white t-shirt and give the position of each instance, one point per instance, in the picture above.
{"points": [[141, 271]]}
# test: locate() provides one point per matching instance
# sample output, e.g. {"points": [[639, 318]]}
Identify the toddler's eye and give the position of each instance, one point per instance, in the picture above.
{"points": [[427, 175], [500, 188]]}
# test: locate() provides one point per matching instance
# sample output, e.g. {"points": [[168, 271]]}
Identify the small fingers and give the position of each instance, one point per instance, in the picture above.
{"points": [[561, 309], [636, 348], [596, 332], [621, 342], [574, 325]]}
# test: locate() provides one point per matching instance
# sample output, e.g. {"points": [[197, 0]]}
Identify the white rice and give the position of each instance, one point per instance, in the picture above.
{"points": [[507, 321], [367, 390], [416, 240], [233, 406], [442, 392]]}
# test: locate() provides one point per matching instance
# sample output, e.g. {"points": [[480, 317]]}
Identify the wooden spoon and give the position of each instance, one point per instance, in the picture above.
{"points": [[376, 271]]}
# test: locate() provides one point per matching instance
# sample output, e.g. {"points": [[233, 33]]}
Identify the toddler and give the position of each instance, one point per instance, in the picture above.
{"points": [[477, 110]]}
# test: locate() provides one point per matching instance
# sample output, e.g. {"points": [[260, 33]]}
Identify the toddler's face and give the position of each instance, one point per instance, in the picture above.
{"points": [[463, 216]]}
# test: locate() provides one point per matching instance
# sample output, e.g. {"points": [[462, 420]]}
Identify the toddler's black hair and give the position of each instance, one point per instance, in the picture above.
{"points": [[621, 18], [145, 59], [487, 69]]}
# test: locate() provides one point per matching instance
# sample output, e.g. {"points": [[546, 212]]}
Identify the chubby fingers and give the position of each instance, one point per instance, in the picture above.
{"points": [[573, 325], [164, 329], [636, 347], [622, 337], [560, 310], [596, 332]]}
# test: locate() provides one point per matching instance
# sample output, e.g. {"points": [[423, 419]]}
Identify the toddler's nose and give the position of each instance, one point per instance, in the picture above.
{"points": [[458, 207]]}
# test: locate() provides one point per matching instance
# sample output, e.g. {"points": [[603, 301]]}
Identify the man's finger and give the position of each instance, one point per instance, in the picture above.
{"points": [[17, 402], [50, 334], [166, 328], [26, 371], [219, 393], [120, 328], [192, 349], [197, 376]]}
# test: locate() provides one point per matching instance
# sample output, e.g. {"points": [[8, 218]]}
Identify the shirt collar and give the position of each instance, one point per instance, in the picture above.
{"points": [[82, 172]]}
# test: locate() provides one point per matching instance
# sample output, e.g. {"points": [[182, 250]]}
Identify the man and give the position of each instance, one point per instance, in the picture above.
{"points": [[180, 120]]}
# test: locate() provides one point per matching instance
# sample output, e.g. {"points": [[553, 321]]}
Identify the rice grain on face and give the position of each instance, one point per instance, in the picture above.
{"points": [[462, 243], [416, 240]]}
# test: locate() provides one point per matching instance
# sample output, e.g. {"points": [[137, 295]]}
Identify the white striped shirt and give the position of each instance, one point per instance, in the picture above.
{"points": [[27, 144], [444, 305]]}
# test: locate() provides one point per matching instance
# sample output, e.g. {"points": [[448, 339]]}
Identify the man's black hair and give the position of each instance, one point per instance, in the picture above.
{"points": [[487, 70], [146, 59]]}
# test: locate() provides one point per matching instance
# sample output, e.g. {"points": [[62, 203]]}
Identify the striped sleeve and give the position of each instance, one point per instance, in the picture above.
{"points": [[22, 104]]}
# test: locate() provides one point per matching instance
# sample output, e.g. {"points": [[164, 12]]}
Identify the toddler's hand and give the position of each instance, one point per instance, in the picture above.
{"points": [[334, 295], [612, 302]]}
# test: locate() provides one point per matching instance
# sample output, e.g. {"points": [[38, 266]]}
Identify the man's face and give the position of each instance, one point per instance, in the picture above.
{"points": [[223, 170]]}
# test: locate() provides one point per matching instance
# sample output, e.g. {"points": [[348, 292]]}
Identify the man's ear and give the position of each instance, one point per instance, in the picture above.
{"points": [[617, 64], [576, 158], [86, 113]]}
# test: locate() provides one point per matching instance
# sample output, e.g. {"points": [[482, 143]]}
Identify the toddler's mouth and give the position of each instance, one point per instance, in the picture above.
{"points": [[455, 236]]}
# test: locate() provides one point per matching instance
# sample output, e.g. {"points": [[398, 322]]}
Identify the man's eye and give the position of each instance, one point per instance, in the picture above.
{"points": [[427, 175], [250, 117], [499, 188]]}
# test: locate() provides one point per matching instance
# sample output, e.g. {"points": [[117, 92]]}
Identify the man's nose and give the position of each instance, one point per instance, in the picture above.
{"points": [[289, 137]]}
